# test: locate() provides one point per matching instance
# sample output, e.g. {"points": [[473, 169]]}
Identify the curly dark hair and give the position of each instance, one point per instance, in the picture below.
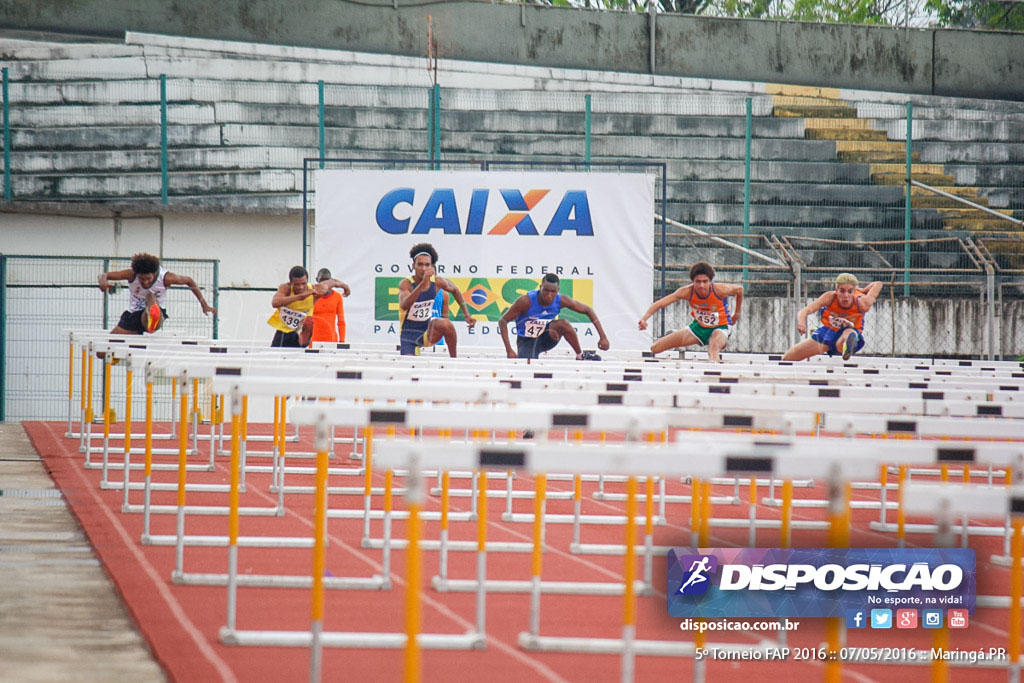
{"points": [[143, 264], [424, 248], [702, 268]]}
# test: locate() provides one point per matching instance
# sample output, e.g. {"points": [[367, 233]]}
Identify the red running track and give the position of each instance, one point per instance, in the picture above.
{"points": [[181, 623]]}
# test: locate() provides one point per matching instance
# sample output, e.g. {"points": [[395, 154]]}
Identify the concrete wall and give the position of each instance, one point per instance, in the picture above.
{"points": [[919, 61], [255, 253]]}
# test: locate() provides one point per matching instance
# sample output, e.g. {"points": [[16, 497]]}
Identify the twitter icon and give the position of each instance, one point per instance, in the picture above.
{"points": [[881, 618]]}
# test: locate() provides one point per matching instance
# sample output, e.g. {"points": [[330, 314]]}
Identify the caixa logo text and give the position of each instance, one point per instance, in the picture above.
{"points": [[443, 212]]}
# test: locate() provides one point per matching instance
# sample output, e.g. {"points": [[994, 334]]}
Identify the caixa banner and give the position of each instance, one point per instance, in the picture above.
{"points": [[496, 234], [817, 582]]}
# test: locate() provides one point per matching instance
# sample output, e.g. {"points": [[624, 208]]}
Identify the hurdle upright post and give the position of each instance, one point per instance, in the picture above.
{"points": [[838, 537], [535, 564], [385, 555], [414, 494], [233, 508], [148, 471], [89, 414], [106, 419], [85, 394], [940, 636], [319, 535], [179, 547], [629, 571], [126, 477], [442, 569], [481, 556], [1016, 588], [281, 455], [694, 512], [649, 536], [71, 382], [245, 438], [367, 479]]}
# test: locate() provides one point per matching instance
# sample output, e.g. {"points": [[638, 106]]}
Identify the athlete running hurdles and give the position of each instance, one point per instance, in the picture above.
{"points": [[538, 332], [416, 295], [842, 320], [709, 307], [147, 289]]}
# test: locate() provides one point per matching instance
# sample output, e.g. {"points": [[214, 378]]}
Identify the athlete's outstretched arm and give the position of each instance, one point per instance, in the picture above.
{"points": [[324, 287], [801, 317], [521, 305], [573, 305], [871, 293], [447, 286], [114, 275], [727, 290], [678, 295], [283, 295], [407, 294], [170, 279]]}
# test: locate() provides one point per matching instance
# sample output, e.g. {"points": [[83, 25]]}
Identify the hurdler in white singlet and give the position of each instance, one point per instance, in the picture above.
{"points": [[137, 293]]}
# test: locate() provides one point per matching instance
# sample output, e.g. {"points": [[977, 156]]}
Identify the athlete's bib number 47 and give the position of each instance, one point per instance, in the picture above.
{"points": [[534, 327]]}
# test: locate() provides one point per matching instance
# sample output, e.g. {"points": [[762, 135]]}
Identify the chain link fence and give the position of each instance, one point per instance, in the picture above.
{"points": [[801, 175], [41, 298]]}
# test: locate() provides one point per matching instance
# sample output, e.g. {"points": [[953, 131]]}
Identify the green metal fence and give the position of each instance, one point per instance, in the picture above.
{"points": [[42, 297], [754, 169]]}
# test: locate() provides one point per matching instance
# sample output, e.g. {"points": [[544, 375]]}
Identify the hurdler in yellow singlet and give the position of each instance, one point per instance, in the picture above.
{"points": [[289, 318]]}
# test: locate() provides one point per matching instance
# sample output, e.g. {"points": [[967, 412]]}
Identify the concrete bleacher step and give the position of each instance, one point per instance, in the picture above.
{"points": [[1004, 176], [148, 184], [960, 131], [897, 178], [113, 137], [842, 129], [812, 107], [80, 116], [920, 197], [774, 214], [783, 193], [971, 153], [873, 156], [178, 159], [966, 212], [979, 224]]}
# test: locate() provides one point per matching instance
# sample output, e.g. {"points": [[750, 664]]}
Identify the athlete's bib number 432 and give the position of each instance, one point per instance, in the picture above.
{"points": [[421, 310]]}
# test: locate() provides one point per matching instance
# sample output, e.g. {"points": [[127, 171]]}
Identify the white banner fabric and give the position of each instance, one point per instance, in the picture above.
{"points": [[496, 234]]}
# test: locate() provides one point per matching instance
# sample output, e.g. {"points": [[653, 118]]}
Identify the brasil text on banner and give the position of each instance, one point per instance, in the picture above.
{"points": [[497, 234]]}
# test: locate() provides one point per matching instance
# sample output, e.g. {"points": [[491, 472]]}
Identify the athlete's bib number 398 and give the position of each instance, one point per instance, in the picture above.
{"points": [[706, 318], [534, 327], [291, 318]]}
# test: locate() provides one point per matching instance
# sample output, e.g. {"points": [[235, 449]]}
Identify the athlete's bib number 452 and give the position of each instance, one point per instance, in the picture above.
{"points": [[706, 318]]}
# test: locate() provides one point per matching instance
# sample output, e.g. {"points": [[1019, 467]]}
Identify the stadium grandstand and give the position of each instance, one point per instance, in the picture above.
{"points": [[189, 503]]}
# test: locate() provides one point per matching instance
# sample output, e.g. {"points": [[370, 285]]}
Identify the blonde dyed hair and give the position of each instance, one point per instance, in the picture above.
{"points": [[846, 279]]}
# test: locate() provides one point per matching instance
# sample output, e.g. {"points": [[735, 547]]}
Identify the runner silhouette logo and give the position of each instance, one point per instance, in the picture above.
{"points": [[697, 578]]}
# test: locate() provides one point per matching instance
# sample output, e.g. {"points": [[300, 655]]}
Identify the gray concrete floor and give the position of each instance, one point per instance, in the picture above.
{"points": [[60, 617]]}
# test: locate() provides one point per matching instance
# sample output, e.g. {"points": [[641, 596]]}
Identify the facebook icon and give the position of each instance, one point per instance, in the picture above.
{"points": [[856, 618]]}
